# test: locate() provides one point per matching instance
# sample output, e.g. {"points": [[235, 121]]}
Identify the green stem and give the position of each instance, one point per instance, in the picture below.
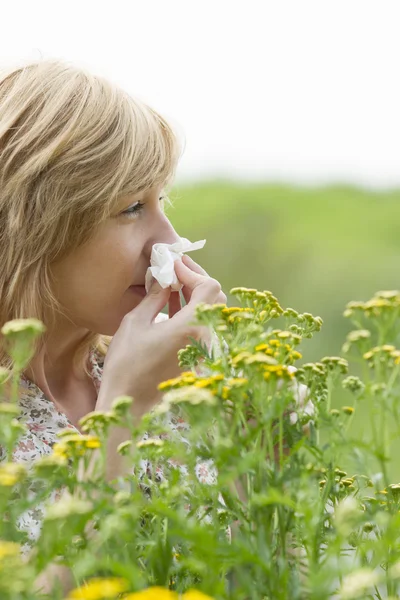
{"points": [[351, 417], [280, 441], [376, 445], [14, 400], [330, 388], [15, 384]]}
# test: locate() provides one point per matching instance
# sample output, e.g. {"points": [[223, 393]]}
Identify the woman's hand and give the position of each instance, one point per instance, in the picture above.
{"points": [[142, 352], [174, 304]]}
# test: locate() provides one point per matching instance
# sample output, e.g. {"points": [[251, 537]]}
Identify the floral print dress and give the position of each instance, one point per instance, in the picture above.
{"points": [[44, 421]]}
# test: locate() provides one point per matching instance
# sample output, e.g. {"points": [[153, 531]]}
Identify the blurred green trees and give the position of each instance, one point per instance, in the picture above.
{"points": [[316, 248]]}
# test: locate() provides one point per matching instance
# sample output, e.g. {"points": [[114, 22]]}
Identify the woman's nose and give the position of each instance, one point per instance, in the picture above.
{"points": [[164, 234]]}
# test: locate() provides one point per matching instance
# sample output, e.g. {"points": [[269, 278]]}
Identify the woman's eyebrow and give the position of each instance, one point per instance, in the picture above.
{"points": [[128, 199]]}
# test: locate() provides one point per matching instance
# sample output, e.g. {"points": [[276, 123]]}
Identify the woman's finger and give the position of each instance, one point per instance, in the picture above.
{"points": [[189, 262], [152, 304], [189, 277], [202, 289], [187, 292]]}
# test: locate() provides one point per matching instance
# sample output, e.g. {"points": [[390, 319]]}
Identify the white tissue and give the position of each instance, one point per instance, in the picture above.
{"points": [[162, 261]]}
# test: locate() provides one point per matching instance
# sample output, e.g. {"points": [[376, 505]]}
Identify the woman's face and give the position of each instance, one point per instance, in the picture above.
{"points": [[93, 282]]}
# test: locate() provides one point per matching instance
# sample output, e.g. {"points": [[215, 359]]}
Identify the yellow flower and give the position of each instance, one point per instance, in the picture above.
{"points": [[9, 549], [208, 381], [261, 347], [377, 303], [348, 482], [388, 294], [348, 410], [121, 403], [67, 506], [225, 392], [60, 450], [261, 295], [153, 593], [358, 583], [123, 447], [96, 420], [259, 357], [73, 437], [232, 309], [202, 383], [247, 313], [11, 473], [209, 309], [190, 394], [279, 371], [149, 442], [187, 380], [218, 377], [275, 343], [169, 383], [74, 444], [79, 440], [25, 326], [234, 319], [284, 334], [240, 357], [99, 588], [9, 409], [237, 381], [243, 290], [195, 595], [92, 442], [340, 472], [48, 463]]}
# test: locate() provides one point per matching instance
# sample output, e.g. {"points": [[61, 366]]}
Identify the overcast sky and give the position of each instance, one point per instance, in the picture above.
{"points": [[303, 91]]}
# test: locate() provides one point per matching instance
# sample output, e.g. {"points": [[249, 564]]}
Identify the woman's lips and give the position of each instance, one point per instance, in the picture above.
{"points": [[138, 289]]}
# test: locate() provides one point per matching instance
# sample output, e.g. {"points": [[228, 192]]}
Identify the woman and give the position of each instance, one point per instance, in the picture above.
{"points": [[84, 170]]}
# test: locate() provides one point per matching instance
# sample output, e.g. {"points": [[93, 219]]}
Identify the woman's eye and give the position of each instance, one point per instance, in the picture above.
{"points": [[133, 210], [137, 207]]}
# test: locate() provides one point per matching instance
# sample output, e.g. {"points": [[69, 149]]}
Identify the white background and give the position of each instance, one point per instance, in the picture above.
{"points": [[303, 91]]}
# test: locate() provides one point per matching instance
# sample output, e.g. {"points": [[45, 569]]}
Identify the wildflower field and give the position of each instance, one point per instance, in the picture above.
{"points": [[315, 247], [282, 518]]}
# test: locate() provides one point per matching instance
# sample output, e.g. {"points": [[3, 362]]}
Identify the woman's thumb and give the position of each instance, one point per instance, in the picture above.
{"points": [[157, 297]]}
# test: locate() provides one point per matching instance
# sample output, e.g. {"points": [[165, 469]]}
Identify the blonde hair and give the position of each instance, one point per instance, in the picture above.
{"points": [[71, 144]]}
